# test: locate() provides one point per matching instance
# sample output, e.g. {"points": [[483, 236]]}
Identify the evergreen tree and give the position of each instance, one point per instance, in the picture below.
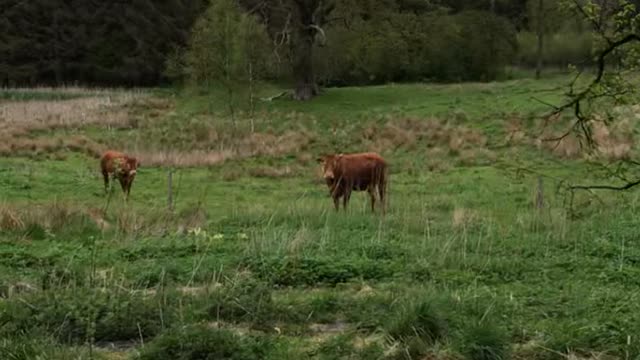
{"points": [[91, 42]]}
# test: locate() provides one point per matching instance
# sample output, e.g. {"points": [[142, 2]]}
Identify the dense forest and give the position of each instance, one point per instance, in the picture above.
{"points": [[334, 42]]}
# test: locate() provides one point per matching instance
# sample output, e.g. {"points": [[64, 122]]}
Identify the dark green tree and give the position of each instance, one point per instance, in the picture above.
{"points": [[90, 42]]}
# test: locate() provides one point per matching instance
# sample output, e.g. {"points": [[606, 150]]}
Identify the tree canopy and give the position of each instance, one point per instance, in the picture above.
{"points": [[310, 42]]}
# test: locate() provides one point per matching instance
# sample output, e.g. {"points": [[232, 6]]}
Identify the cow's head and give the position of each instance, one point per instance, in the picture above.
{"points": [[329, 164]]}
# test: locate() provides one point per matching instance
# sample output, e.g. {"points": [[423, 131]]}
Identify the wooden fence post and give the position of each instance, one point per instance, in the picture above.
{"points": [[170, 189]]}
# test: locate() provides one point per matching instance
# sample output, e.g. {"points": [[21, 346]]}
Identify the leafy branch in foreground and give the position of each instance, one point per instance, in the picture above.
{"points": [[617, 29]]}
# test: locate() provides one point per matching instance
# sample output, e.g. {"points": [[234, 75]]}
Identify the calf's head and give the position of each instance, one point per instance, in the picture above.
{"points": [[132, 165], [128, 167]]}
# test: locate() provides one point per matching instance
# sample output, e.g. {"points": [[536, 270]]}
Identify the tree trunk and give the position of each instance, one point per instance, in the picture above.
{"points": [[540, 35], [306, 87]]}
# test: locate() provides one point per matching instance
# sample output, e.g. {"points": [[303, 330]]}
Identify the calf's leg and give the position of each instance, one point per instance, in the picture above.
{"points": [[105, 175], [336, 202], [382, 189], [123, 184]]}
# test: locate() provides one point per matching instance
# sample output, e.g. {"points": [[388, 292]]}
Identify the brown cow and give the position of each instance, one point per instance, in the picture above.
{"points": [[119, 166], [344, 173]]}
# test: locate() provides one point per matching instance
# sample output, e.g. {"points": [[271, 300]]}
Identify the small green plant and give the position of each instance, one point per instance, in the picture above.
{"points": [[319, 270], [246, 300]]}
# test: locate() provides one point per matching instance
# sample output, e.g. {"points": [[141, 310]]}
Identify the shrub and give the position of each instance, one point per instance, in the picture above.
{"points": [[421, 320], [197, 342], [246, 301], [484, 341], [35, 346]]}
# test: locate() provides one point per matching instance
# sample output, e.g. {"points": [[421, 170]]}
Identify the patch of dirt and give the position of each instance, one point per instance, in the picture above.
{"points": [[462, 217], [335, 327], [117, 346]]}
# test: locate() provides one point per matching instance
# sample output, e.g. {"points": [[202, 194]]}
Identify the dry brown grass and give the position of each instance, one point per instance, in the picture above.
{"points": [[439, 137], [273, 145], [405, 132], [437, 160], [178, 158], [477, 156], [613, 141], [27, 146], [60, 216], [462, 217], [52, 216], [19, 116], [20, 120], [255, 144], [515, 132], [273, 172]]}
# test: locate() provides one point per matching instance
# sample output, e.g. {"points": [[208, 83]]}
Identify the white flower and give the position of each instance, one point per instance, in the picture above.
{"points": [[195, 231]]}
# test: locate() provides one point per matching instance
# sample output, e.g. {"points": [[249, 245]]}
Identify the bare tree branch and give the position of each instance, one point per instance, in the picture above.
{"points": [[575, 102], [626, 186], [319, 30]]}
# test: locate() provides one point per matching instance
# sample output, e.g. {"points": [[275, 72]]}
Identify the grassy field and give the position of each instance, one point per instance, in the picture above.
{"points": [[251, 261]]}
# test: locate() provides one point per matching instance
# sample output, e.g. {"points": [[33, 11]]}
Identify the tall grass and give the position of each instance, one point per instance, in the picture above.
{"points": [[253, 261]]}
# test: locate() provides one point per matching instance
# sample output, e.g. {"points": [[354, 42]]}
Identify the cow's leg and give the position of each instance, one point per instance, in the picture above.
{"points": [[345, 200], [336, 202], [372, 194]]}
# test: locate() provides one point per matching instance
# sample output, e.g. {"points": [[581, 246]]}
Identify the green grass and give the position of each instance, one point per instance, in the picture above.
{"points": [[251, 266]]}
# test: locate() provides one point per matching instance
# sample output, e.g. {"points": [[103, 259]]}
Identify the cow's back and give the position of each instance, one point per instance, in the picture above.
{"points": [[362, 168]]}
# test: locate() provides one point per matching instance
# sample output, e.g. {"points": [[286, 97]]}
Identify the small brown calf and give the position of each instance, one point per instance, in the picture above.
{"points": [[119, 166], [344, 173]]}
